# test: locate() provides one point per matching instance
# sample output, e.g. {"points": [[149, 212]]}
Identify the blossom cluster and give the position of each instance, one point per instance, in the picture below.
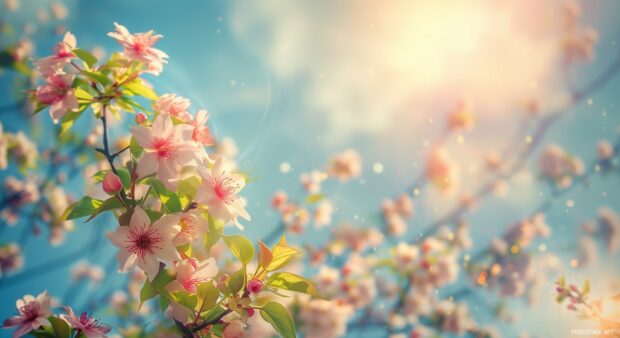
{"points": [[172, 189]]}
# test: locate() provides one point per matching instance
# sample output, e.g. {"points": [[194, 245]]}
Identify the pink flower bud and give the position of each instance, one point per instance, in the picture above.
{"points": [[250, 311], [571, 307], [254, 286], [140, 118], [112, 183]]}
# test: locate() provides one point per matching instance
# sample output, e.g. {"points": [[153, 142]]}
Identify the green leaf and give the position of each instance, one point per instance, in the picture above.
{"points": [[135, 148], [189, 186], [208, 294], [314, 198], [84, 207], [282, 254], [132, 102], [85, 56], [139, 88], [97, 77], [240, 247], [279, 318], [292, 282], [163, 303], [109, 204], [151, 289], [147, 292], [585, 289], [162, 279], [169, 199], [237, 281], [60, 327], [69, 118], [185, 299]]}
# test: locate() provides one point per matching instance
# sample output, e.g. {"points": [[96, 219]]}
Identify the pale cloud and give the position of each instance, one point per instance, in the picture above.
{"points": [[366, 67]]}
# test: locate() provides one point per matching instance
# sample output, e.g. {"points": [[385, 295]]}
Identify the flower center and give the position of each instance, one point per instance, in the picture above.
{"points": [[164, 147], [191, 285], [225, 188], [30, 311], [143, 240]]}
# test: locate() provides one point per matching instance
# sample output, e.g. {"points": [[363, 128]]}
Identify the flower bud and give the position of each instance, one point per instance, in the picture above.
{"points": [[112, 183], [254, 286], [140, 118], [250, 311]]}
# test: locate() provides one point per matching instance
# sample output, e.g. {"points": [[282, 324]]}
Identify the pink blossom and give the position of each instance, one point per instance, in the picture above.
{"points": [[176, 106], [63, 53], [139, 47], [33, 313], [219, 192], [86, 324], [202, 133], [345, 166], [58, 94], [254, 286], [193, 225], [441, 170], [112, 183], [278, 201], [167, 148], [140, 118], [143, 243], [323, 214], [190, 273]]}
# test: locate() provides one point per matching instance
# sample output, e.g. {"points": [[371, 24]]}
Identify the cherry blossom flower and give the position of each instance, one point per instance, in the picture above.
{"points": [[323, 214], [312, 181], [190, 274], [192, 226], [10, 258], [23, 150], [139, 46], [345, 166], [59, 11], [33, 313], [604, 150], [167, 148], [63, 53], [83, 270], [218, 192], [176, 106], [58, 94], [202, 133], [556, 164], [405, 256], [327, 279], [313, 314], [440, 170], [461, 118], [143, 243], [22, 50], [86, 324]]}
